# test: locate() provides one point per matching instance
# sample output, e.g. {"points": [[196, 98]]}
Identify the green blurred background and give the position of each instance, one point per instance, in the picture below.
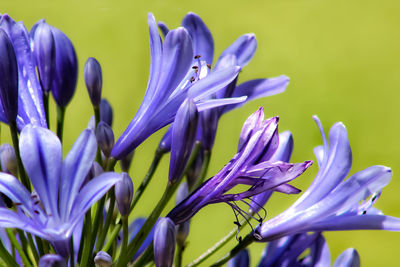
{"points": [[342, 58]]}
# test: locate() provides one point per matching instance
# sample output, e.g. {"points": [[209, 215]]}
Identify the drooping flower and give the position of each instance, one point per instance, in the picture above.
{"points": [[332, 203], [62, 200], [251, 166], [30, 103], [172, 79]]}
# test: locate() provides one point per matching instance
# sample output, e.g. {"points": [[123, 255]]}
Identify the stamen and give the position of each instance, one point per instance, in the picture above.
{"points": [[209, 66], [197, 56]]}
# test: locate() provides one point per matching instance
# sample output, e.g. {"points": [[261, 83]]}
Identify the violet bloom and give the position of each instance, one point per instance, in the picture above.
{"points": [[172, 79], [30, 104], [251, 166], [63, 200], [332, 203], [238, 54]]}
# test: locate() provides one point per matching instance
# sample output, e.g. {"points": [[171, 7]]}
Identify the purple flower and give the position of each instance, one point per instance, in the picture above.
{"points": [[30, 105], [93, 80], [238, 54], [164, 242], [332, 203], [251, 166], [62, 200], [172, 79], [124, 194], [348, 258], [52, 260]]}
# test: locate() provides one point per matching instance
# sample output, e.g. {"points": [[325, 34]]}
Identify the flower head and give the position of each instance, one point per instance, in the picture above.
{"points": [[332, 203], [251, 166]]}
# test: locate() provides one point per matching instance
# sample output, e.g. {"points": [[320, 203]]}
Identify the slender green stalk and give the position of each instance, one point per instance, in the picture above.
{"points": [[98, 219], [87, 248], [81, 242], [39, 244], [6, 257], [72, 256], [146, 257], [149, 175], [125, 235], [179, 255], [103, 233], [33, 247], [222, 242], [111, 164], [240, 246], [111, 238], [60, 122], [46, 107], [204, 169], [15, 243], [21, 170], [135, 244]]}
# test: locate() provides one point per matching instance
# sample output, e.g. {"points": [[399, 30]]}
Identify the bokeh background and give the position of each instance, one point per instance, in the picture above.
{"points": [[343, 60]]}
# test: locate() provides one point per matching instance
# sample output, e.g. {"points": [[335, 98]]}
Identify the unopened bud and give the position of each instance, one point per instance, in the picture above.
{"points": [[8, 159], [106, 112], [102, 259], [164, 242], [105, 138], [124, 194], [52, 260], [93, 80]]}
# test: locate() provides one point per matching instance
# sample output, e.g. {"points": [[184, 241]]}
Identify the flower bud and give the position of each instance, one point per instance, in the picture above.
{"points": [[106, 112], [165, 143], [8, 77], [124, 194], [183, 228], [208, 127], [105, 138], [93, 80], [52, 260], [8, 159], [44, 49], [126, 161], [348, 258], [183, 137], [164, 242], [102, 259], [242, 259]]}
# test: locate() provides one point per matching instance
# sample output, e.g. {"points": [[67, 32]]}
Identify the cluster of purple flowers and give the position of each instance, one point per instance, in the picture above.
{"points": [[59, 212]]}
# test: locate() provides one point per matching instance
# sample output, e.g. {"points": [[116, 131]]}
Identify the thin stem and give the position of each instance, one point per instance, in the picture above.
{"points": [[149, 175], [21, 170], [87, 248], [103, 233], [60, 121], [146, 257], [112, 237], [98, 218], [21, 252], [6, 257], [240, 246], [46, 107], [179, 255], [39, 244], [135, 244], [33, 247], [204, 169], [125, 235], [222, 242], [72, 256]]}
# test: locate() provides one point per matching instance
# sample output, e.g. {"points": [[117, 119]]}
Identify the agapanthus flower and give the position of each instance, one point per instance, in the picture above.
{"points": [[173, 78], [30, 104], [238, 54], [251, 166], [332, 203], [62, 200]]}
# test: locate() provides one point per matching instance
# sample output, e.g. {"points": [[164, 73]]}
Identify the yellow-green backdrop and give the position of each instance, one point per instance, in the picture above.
{"points": [[343, 60]]}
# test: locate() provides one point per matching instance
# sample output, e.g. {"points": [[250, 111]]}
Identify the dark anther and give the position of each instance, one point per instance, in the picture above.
{"points": [[237, 223], [195, 67], [197, 56], [240, 239], [17, 204], [37, 202], [209, 66], [192, 79], [364, 212], [260, 220], [35, 211]]}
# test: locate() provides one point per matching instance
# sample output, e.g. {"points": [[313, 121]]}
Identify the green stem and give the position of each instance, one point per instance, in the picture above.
{"points": [[33, 247], [98, 218], [146, 257], [222, 242], [60, 122], [87, 248], [135, 244], [46, 107], [21, 170], [125, 235], [240, 246], [179, 255], [6, 257], [72, 256], [102, 237], [149, 175], [112, 237], [39, 244], [204, 169], [21, 252]]}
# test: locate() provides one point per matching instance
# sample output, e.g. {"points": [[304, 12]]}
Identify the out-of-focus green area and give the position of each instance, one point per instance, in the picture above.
{"points": [[343, 59]]}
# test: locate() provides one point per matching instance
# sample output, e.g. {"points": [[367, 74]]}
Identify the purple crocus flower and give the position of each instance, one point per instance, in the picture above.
{"points": [[172, 80], [62, 200], [251, 166], [30, 104], [332, 203], [238, 54]]}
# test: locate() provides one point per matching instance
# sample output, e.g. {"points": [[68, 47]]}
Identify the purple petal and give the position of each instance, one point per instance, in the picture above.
{"points": [[163, 27], [10, 219], [319, 253], [213, 103], [13, 189], [285, 147], [75, 168], [253, 122], [41, 155], [243, 48], [203, 43], [348, 258]]}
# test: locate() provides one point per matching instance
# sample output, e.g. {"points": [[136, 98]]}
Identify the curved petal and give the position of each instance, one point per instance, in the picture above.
{"points": [[90, 193], [243, 48], [12, 188], [348, 258], [213, 103], [10, 219], [163, 27], [203, 42], [41, 155], [75, 167]]}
